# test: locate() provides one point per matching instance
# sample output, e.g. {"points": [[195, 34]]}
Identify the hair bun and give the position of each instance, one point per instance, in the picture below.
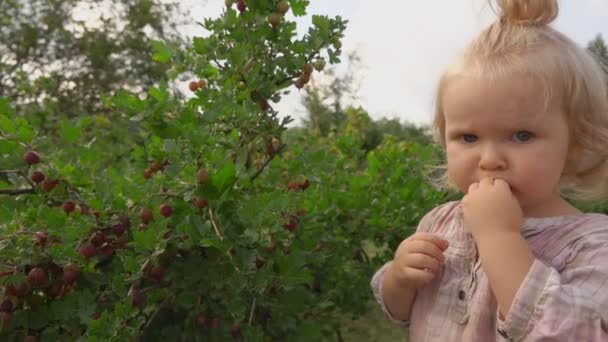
{"points": [[528, 12]]}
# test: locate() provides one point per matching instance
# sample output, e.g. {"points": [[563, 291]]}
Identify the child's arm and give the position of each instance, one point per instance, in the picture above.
{"points": [[398, 299], [567, 302], [563, 300], [417, 261]]}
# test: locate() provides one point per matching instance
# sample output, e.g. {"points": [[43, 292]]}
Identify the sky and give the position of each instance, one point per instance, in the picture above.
{"points": [[404, 45]]}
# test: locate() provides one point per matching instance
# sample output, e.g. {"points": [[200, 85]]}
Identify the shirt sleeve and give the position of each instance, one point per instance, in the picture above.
{"points": [[376, 284], [571, 305], [438, 214]]}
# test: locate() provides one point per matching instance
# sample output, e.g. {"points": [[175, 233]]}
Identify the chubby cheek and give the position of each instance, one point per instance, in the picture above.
{"points": [[537, 181], [459, 172]]}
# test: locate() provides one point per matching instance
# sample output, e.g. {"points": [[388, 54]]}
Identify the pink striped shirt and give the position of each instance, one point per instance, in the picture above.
{"points": [[564, 296]]}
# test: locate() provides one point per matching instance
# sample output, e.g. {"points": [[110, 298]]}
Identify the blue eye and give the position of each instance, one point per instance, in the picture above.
{"points": [[522, 136], [469, 138]]}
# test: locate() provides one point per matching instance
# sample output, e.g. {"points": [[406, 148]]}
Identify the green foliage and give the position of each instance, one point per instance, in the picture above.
{"points": [[63, 56], [163, 220], [598, 49], [159, 219]]}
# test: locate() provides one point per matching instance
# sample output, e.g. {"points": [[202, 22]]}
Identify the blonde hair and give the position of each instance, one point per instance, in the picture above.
{"points": [[522, 42]]}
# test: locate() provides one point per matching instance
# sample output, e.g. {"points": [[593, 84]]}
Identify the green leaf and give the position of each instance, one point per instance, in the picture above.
{"points": [[201, 45], [5, 107], [6, 125], [126, 101], [321, 22], [8, 146], [69, 132], [25, 134], [162, 53], [224, 178], [212, 242], [145, 239], [186, 299], [158, 94], [298, 7]]}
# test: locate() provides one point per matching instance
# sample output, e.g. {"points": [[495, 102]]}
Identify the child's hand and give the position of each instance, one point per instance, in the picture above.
{"points": [[418, 259], [490, 207]]}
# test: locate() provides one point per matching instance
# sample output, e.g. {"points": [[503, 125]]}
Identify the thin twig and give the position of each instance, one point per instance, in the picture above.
{"points": [[217, 231], [9, 171], [17, 191], [151, 318], [29, 181], [259, 172], [252, 310]]}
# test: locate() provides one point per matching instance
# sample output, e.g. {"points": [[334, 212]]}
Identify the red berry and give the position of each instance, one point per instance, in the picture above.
{"points": [[153, 166], [70, 274], [235, 331], [241, 6], [193, 86], [125, 221], [6, 306], [292, 225], [49, 185], [305, 184], [87, 250], [201, 203], [283, 7], [307, 69], [37, 176], [293, 185], [139, 300], [6, 318], [30, 338], [98, 238], [107, 249], [31, 158], [274, 19], [201, 321], [18, 291], [146, 215], [202, 176], [37, 277], [166, 210], [97, 214], [157, 273], [201, 84], [69, 207], [272, 246], [40, 238], [300, 83], [148, 173], [118, 229], [305, 78], [121, 241], [263, 105]]}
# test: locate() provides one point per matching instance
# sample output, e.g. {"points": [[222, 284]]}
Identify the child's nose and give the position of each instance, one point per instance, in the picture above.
{"points": [[492, 159]]}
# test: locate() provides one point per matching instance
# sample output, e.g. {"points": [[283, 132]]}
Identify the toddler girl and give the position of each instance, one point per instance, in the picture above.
{"points": [[523, 117]]}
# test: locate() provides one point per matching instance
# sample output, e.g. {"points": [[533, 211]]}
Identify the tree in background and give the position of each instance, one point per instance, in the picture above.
{"points": [[65, 55], [598, 48], [330, 108]]}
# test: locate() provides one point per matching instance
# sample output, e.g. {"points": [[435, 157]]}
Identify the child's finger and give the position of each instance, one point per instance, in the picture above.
{"points": [[432, 238], [425, 247], [421, 262], [420, 276]]}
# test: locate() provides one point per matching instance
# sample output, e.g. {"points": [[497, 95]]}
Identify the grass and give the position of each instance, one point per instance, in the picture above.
{"points": [[373, 327]]}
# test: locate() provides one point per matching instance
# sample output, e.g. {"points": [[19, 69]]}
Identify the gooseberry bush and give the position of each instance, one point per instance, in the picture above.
{"points": [[164, 219]]}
